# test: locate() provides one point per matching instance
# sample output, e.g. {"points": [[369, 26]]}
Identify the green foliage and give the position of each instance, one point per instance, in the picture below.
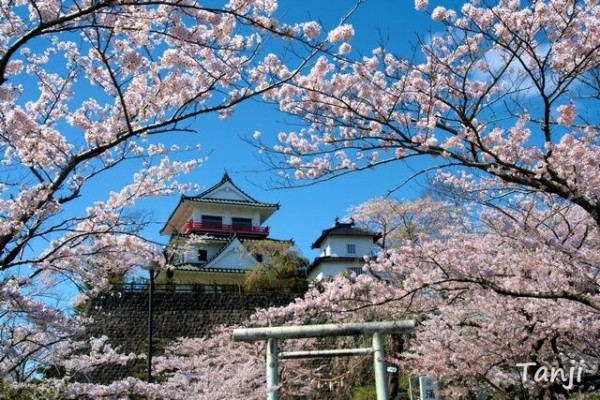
{"points": [[141, 366], [81, 309], [368, 392], [403, 383], [30, 391], [281, 267]]}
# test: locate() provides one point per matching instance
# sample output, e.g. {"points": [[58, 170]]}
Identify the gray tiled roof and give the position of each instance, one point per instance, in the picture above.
{"points": [[333, 259], [202, 196], [233, 202], [344, 229], [191, 267]]}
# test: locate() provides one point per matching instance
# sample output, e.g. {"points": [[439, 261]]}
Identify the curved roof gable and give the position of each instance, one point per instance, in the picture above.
{"points": [[224, 193], [227, 192]]}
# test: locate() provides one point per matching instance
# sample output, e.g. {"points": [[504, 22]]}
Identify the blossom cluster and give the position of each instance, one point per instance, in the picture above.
{"points": [[90, 90]]}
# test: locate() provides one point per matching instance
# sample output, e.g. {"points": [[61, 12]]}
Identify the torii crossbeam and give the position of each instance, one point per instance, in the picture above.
{"points": [[272, 334]]}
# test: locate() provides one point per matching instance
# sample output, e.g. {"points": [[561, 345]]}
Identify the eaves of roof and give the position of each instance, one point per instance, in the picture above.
{"points": [[190, 267], [231, 202], [344, 230], [226, 178], [200, 198], [171, 215], [227, 238], [319, 260], [208, 238]]}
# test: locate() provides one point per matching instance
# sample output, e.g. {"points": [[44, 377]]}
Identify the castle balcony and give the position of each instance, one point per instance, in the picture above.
{"points": [[192, 226]]}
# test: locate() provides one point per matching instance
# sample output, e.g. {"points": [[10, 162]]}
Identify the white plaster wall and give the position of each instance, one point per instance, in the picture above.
{"points": [[191, 255], [228, 192], [238, 259], [336, 246], [329, 269], [315, 275], [325, 270]]}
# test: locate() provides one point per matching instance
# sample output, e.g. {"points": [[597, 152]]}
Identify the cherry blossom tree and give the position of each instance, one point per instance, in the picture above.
{"points": [[502, 88], [212, 368], [508, 291], [89, 89], [520, 287], [501, 98], [397, 221], [207, 368]]}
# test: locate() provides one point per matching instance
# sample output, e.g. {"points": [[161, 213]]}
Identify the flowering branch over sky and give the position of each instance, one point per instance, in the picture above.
{"points": [[89, 89], [503, 89], [502, 99]]}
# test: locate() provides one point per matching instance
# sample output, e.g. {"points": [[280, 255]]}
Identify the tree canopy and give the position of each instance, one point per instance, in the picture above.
{"points": [[503, 96], [89, 89]]}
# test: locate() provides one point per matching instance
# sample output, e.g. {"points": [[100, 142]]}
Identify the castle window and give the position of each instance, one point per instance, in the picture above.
{"points": [[351, 248], [241, 223], [212, 221]]}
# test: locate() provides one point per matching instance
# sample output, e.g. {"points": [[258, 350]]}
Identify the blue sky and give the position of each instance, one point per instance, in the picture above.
{"points": [[304, 211]]}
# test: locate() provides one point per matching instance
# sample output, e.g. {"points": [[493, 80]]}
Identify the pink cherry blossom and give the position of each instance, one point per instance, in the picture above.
{"points": [[502, 93], [341, 33], [88, 92], [511, 287], [421, 5]]}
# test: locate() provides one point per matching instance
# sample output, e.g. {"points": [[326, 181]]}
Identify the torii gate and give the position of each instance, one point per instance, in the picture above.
{"points": [[272, 334]]}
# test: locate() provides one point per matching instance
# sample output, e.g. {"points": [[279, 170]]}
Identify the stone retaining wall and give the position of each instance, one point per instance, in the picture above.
{"points": [[123, 316]]}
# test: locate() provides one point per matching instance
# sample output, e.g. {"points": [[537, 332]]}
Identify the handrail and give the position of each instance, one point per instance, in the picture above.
{"points": [[141, 287], [179, 287], [191, 226]]}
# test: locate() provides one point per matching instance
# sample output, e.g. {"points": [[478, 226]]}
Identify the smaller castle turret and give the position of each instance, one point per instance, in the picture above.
{"points": [[343, 248]]}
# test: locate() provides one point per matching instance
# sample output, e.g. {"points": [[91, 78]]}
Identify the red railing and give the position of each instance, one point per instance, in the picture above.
{"points": [[195, 226]]}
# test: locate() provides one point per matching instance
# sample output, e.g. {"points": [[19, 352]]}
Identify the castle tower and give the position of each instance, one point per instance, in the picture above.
{"points": [[207, 233]]}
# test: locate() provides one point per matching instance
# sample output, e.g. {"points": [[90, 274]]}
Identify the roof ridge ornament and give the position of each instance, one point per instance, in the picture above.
{"points": [[349, 223]]}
